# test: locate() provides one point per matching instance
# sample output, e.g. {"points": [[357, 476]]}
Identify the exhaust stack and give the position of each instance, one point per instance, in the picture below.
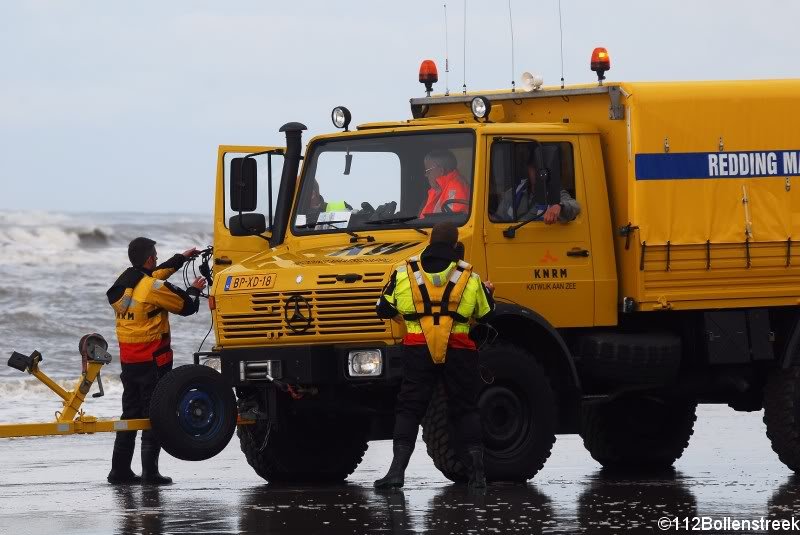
{"points": [[291, 164]]}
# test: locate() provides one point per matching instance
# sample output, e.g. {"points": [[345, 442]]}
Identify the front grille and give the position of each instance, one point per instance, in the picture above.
{"points": [[340, 311], [366, 278]]}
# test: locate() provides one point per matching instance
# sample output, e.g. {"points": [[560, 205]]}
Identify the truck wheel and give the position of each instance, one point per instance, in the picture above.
{"points": [[518, 416], [305, 448], [638, 432], [193, 412], [782, 415]]}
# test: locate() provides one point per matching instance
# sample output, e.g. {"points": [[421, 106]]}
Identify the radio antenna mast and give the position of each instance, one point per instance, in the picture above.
{"points": [[561, 36], [446, 56], [511, 25], [465, 48]]}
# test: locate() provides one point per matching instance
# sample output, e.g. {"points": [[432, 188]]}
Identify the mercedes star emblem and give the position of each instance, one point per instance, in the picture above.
{"points": [[297, 314]]}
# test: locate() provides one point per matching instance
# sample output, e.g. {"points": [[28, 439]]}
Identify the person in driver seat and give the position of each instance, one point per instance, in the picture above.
{"points": [[445, 183]]}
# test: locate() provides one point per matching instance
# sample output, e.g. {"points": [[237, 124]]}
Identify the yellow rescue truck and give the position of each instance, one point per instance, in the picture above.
{"points": [[678, 282]]}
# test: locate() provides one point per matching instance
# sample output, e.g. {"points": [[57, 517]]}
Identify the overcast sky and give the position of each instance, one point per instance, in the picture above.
{"points": [[119, 106]]}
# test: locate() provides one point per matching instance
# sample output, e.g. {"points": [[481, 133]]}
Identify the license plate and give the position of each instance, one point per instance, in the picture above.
{"points": [[264, 281]]}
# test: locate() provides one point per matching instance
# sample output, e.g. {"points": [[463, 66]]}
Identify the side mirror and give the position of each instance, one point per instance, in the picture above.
{"points": [[244, 180], [251, 224]]}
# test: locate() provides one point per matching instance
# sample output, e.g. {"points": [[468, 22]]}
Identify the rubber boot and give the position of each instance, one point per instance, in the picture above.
{"points": [[150, 475], [477, 475], [395, 477], [121, 473]]}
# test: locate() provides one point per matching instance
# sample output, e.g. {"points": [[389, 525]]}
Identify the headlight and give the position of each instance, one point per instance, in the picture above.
{"points": [[215, 363], [341, 117], [481, 107], [365, 363]]}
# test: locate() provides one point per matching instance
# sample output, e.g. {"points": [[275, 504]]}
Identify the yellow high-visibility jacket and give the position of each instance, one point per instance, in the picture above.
{"points": [[468, 299]]}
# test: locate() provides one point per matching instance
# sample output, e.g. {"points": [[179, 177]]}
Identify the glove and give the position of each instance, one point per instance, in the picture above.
{"points": [[385, 210], [366, 209]]}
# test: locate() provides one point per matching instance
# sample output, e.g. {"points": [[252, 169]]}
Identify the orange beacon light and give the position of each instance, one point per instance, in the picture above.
{"points": [[428, 75], [601, 62]]}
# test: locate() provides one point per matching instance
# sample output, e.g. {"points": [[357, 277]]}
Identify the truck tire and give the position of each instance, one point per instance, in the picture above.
{"points": [[518, 415], [629, 358], [193, 412], [638, 432], [782, 415], [305, 449]]}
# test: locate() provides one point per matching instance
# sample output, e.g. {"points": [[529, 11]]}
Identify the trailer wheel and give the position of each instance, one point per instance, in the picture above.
{"points": [[193, 412], [305, 448], [518, 416], [638, 432], [782, 415]]}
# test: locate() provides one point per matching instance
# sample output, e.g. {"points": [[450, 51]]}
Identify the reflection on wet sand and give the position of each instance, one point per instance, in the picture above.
{"points": [[785, 502], [325, 510], [503, 509], [153, 510], [615, 501], [359, 510]]}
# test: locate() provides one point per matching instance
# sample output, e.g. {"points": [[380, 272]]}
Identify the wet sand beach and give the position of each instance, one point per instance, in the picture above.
{"points": [[57, 485]]}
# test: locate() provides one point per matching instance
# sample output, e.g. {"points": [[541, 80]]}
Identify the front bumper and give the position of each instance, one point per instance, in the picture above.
{"points": [[315, 365]]}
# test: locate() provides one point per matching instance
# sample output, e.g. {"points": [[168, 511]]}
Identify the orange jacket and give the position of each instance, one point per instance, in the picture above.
{"points": [[450, 186], [142, 301]]}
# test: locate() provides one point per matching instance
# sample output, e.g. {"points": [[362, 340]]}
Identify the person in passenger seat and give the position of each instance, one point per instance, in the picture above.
{"points": [[520, 203]]}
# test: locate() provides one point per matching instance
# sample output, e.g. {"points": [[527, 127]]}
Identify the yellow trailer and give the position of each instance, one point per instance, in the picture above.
{"points": [[71, 420]]}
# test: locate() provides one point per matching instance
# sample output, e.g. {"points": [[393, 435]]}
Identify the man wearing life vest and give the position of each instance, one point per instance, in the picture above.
{"points": [[142, 301], [446, 184], [437, 294]]}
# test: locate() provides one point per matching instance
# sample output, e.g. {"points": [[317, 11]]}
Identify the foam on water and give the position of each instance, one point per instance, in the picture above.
{"points": [[55, 271]]}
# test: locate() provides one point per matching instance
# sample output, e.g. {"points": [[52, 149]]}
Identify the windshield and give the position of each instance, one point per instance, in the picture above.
{"points": [[396, 181]]}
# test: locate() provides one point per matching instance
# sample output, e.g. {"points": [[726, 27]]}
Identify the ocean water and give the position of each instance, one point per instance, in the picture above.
{"points": [[54, 271]]}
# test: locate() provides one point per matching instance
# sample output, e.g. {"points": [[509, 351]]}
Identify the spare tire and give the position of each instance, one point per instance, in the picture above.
{"points": [[193, 412]]}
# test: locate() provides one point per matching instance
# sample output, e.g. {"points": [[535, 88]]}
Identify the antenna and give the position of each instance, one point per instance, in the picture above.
{"points": [[446, 56], [511, 25], [465, 47], [561, 37]]}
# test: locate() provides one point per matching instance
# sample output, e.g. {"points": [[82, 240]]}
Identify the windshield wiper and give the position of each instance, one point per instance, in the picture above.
{"points": [[318, 223], [354, 237], [402, 219]]}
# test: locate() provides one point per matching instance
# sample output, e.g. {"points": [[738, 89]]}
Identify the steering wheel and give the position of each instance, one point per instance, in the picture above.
{"points": [[447, 205]]}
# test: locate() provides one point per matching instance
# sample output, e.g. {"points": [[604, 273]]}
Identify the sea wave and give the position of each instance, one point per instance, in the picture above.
{"points": [[78, 244], [53, 238], [12, 389]]}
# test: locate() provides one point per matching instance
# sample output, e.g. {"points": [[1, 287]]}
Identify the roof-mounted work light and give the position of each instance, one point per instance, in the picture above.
{"points": [[341, 117], [601, 62], [428, 75], [481, 107]]}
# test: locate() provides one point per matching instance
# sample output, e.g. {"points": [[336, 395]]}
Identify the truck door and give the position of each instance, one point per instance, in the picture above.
{"points": [[547, 268], [261, 196]]}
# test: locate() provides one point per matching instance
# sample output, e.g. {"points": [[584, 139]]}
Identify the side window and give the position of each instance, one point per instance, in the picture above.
{"points": [[527, 177], [266, 190]]}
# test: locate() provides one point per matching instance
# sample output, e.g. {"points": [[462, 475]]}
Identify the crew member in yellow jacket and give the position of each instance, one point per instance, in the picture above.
{"points": [[437, 294], [142, 300]]}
